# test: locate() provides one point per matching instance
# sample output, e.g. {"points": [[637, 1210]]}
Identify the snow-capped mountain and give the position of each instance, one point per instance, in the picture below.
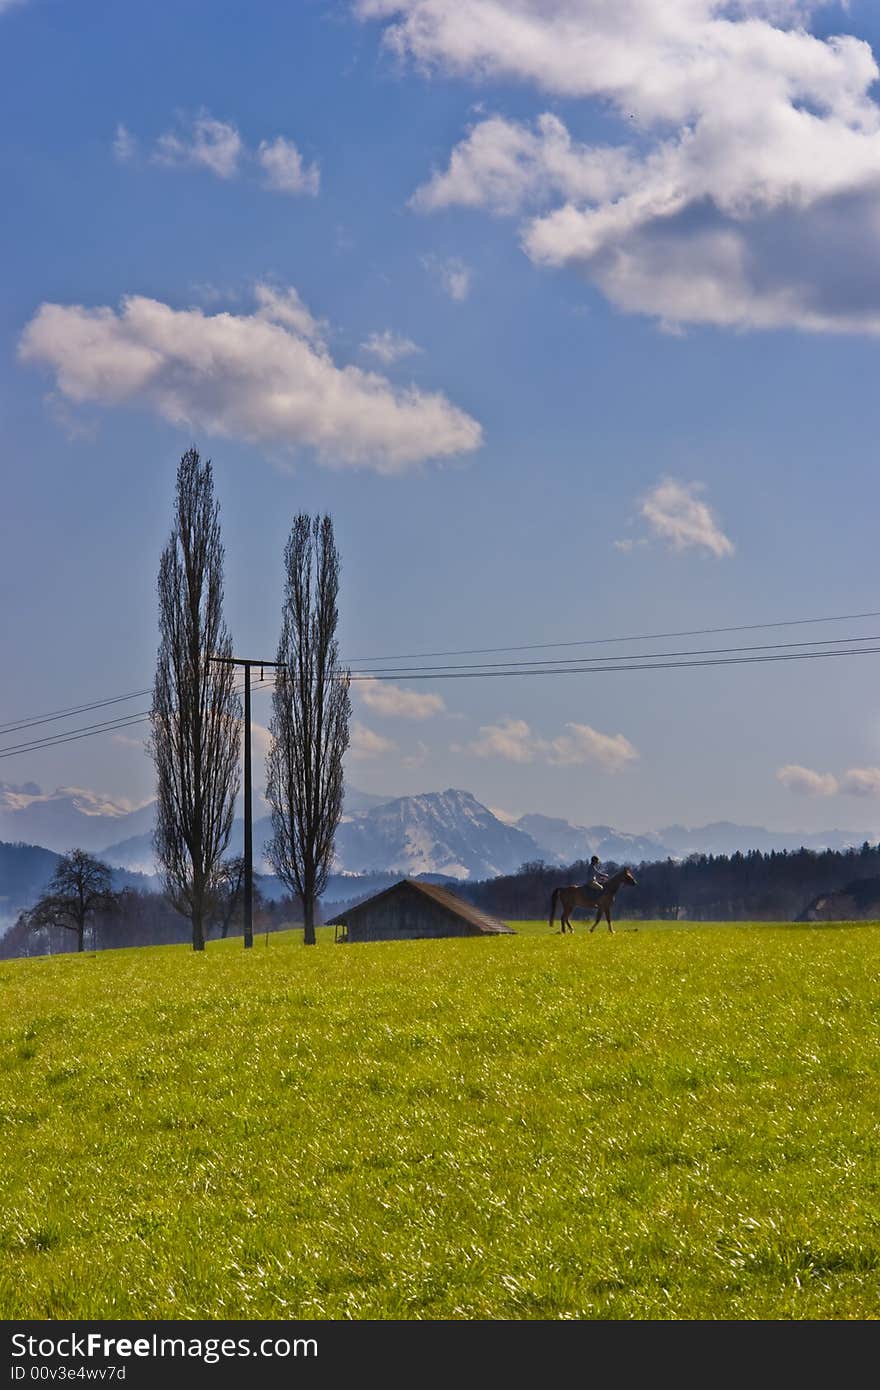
{"points": [[136, 851], [439, 832], [449, 833], [68, 818], [563, 843]]}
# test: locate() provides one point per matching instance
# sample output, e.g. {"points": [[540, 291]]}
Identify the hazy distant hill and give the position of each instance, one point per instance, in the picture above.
{"points": [[563, 843], [25, 871], [725, 837]]}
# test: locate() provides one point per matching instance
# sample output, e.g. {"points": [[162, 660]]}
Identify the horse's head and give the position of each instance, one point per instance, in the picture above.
{"points": [[629, 877]]}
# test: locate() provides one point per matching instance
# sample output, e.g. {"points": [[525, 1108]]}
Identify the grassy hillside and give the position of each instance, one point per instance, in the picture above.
{"points": [[663, 1123]]}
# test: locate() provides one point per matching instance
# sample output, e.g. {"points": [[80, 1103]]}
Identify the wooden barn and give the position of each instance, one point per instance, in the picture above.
{"points": [[410, 909]]}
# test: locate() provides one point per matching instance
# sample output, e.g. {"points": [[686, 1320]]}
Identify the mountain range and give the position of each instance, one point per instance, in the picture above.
{"points": [[448, 833], [69, 817]]}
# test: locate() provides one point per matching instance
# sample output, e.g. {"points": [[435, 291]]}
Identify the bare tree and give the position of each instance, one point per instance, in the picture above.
{"points": [[311, 709], [80, 887], [229, 893], [196, 714]]}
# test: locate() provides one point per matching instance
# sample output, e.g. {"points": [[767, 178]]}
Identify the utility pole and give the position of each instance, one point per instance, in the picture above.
{"points": [[247, 663]]}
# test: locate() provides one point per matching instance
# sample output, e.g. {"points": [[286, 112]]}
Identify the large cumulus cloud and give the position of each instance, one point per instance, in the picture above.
{"points": [[267, 377], [744, 190]]}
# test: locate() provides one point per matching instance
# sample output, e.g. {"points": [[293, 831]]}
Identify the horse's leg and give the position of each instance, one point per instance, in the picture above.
{"points": [[608, 918], [598, 918]]}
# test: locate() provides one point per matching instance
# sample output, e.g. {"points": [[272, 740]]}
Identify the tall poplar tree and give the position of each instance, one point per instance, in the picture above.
{"points": [[311, 710], [196, 712]]}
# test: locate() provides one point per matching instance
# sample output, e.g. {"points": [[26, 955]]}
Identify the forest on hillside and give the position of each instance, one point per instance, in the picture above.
{"points": [[780, 886]]}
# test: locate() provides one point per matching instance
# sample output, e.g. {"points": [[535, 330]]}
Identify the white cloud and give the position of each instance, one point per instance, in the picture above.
{"points": [[745, 188], [806, 782], [261, 742], [389, 347], [124, 144], [284, 167], [366, 743], [588, 48], [204, 141], [513, 740], [286, 307], [675, 514], [628, 544], [452, 275], [583, 744], [504, 165], [861, 781], [125, 741], [266, 377], [856, 781], [385, 698]]}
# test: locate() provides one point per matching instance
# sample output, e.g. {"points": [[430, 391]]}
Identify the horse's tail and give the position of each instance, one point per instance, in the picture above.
{"points": [[553, 905]]}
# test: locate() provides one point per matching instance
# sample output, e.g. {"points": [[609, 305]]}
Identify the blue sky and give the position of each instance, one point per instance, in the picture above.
{"points": [[570, 321]]}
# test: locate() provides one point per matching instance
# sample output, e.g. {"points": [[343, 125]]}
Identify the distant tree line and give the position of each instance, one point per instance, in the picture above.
{"points": [[755, 886], [79, 912], [776, 887]]}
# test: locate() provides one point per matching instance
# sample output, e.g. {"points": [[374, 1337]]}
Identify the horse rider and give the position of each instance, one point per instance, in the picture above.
{"points": [[597, 878]]}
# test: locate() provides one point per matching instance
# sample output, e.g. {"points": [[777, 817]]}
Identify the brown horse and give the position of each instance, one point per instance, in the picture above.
{"points": [[585, 896]]}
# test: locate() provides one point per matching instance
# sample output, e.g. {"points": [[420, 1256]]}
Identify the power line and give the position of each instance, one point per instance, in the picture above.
{"points": [[603, 641], [90, 730], [29, 721], [67, 713], [487, 666], [601, 670], [655, 665]]}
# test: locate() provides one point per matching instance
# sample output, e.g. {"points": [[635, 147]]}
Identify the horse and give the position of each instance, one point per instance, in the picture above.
{"points": [[584, 896]]}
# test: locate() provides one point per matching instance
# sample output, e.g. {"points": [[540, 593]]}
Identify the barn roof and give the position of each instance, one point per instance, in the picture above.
{"points": [[451, 902]]}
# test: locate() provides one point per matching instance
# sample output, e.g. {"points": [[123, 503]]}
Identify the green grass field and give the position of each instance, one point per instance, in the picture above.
{"points": [[665, 1123]]}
